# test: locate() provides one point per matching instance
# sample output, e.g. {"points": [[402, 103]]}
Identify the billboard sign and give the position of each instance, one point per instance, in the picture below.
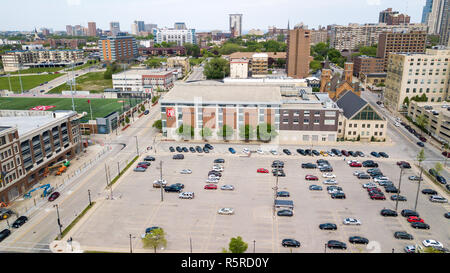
{"points": [[170, 112]]}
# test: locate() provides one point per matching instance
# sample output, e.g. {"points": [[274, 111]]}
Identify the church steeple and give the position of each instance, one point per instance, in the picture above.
{"points": [[288, 26]]}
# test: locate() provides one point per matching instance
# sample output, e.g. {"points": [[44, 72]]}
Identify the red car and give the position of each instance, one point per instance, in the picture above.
{"points": [[311, 177], [422, 139], [377, 196], [262, 170], [415, 219], [355, 164], [142, 166], [53, 196], [344, 152], [446, 154], [402, 162], [211, 187], [374, 190]]}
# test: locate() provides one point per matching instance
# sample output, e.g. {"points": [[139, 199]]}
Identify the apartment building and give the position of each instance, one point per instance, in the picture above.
{"points": [[400, 42], [162, 51], [141, 79], [409, 75], [367, 65], [437, 115], [298, 51], [259, 64], [118, 48], [239, 68], [31, 141], [66, 43], [21, 59], [92, 29], [354, 35], [236, 25], [319, 36], [179, 61], [179, 36]]}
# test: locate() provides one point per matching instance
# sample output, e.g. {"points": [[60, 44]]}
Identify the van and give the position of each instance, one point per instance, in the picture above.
{"points": [[186, 195]]}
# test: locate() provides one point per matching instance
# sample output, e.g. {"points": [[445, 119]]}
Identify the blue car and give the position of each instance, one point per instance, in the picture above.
{"points": [[441, 179], [231, 150], [375, 154], [420, 144]]}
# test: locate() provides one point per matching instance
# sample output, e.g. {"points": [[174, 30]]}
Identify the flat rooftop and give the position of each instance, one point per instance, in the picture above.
{"points": [[223, 93], [143, 72]]}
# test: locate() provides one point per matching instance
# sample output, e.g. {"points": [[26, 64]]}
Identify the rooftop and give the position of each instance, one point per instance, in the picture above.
{"points": [[223, 93], [144, 72]]}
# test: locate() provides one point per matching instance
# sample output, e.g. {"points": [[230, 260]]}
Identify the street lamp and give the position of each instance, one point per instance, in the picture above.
{"points": [[254, 244], [59, 221], [131, 246], [399, 185], [137, 146], [89, 194]]}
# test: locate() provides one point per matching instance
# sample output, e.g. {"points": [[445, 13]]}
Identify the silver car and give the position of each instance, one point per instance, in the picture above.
{"points": [[226, 211], [227, 187], [330, 182], [186, 171], [438, 199]]}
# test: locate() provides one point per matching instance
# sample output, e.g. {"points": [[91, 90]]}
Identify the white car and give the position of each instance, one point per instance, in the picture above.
{"points": [[397, 124], [246, 151], [274, 152], [186, 171], [351, 161], [217, 166], [351, 221], [356, 173], [381, 178], [330, 182], [260, 151], [186, 195], [328, 175], [227, 187], [369, 185], [429, 242], [330, 153], [212, 180], [226, 211], [217, 169], [335, 191], [157, 183], [438, 199]]}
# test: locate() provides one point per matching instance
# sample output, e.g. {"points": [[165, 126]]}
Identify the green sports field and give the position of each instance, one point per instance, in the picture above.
{"points": [[28, 82], [100, 107]]}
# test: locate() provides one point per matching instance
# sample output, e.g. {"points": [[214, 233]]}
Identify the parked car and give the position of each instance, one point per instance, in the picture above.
{"points": [[145, 163], [328, 175], [358, 240], [369, 185], [355, 164], [433, 172], [158, 183], [396, 197], [232, 150], [226, 211], [338, 195], [383, 154], [287, 152], [205, 150], [403, 235], [309, 166], [150, 158], [408, 212], [361, 154], [139, 169], [315, 152], [351, 221], [438, 199], [375, 154], [388, 212], [262, 170], [432, 243], [219, 160], [420, 144], [4, 233], [227, 187], [301, 151], [53, 196], [173, 188], [186, 171], [391, 189], [210, 187], [171, 149], [441, 179], [199, 149], [415, 178], [20, 221], [336, 244], [311, 177], [315, 188], [415, 219], [209, 146], [186, 195], [283, 194], [178, 156], [328, 226], [185, 150], [285, 212], [192, 149], [370, 164], [290, 243], [345, 153], [146, 112], [363, 176], [429, 191]]}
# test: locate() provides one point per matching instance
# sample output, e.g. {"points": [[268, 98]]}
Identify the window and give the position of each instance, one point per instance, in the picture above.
{"points": [[316, 121], [381, 125], [306, 113], [306, 121], [368, 125], [364, 126], [329, 122]]}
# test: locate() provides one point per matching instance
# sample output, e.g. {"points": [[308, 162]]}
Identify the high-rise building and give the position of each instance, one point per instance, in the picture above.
{"points": [[150, 27], [236, 25], [179, 25], [437, 19], [114, 27], [134, 29], [141, 25], [118, 48], [298, 51], [384, 15], [69, 30], [426, 11], [92, 29], [400, 42], [410, 75], [397, 19], [179, 36]]}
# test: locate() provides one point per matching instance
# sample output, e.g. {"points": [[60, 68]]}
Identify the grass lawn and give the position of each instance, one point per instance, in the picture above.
{"points": [[28, 82], [93, 82], [100, 107], [37, 70]]}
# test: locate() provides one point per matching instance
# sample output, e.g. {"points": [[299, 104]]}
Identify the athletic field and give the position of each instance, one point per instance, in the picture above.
{"points": [[28, 82]]}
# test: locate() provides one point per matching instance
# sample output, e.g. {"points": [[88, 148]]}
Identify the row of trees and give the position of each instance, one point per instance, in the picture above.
{"points": [[263, 132], [322, 51], [422, 98]]}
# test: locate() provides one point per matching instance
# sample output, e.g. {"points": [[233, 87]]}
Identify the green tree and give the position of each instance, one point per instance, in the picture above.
{"points": [[368, 50], [421, 121], [155, 239], [264, 132], [438, 167], [153, 62], [205, 132], [158, 125], [237, 245], [229, 48], [192, 50], [246, 132], [225, 132], [217, 68], [358, 138], [142, 108], [185, 131], [155, 98], [280, 37], [127, 119], [315, 65]]}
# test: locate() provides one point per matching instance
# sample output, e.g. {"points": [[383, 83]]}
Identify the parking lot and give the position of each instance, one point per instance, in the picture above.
{"points": [[140, 206]]}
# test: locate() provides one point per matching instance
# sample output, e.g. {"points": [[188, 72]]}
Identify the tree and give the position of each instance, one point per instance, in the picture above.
{"points": [[127, 119], [217, 68], [192, 50], [237, 245], [438, 167], [155, 98], [153, 62], [158, 125], [406, 101], [229, 48], [225, 131], [264, 132], [421, 121], [315, 65], [185, 131], [246, 132], [154, 239], [280, 37], [205, 132], [358, 138]]}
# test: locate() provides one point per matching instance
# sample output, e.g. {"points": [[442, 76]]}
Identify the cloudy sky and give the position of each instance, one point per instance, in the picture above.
{"points": [[198, 14]]}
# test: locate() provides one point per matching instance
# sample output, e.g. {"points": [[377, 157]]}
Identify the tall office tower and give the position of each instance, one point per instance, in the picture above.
{"points": [[384, 15], [134, 29], [298, 50], [179, 25], [426, 11], [236, 25], [437, 19], [444, 30], [92, 29], [69, 30], [150, 27], [140, 25], [114, 27]]}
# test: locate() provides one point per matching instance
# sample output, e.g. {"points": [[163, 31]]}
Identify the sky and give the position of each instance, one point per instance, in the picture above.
{"points": [[201, 15]]}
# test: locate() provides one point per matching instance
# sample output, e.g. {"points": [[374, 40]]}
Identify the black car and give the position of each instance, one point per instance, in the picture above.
{"points": [[287, 152], [146, 112], [283, 194], [326, 168], [178, 156], [375, 154], [351, 153], [328, 226], [370, 164], [329, 188], [358, 240], [388, 212], [338, 195], [359, 153], [447, 187], [447, 215], [277, 164], [315, 188], [441, 179], [171, 149], [403, 235], [199, 149], [216, 173], [178, 185], [4, 233], [363, 176], [285, 212], [173, 188], [315, 152], [149, 158], [376, 174], [391, 189], [179, 149], [336, 244], [433, 172], [420, 144], [209, 146], [383, 154], [191, 149], [279, 173], [19, 222], [309, 166], [420, 225], [185, 150], [396, 197], [308, 152], [323, 161], [206, 150], [405, 165], [429, 191], [301, 151], [219, 160], [290, 243], [408, 213]]}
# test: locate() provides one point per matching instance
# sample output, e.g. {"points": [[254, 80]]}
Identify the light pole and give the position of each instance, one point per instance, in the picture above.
{"points": [[190, 243], [418, 187], [160, 181], [89, 194], [254, 245], [137, 146], [131, 246], [59, 221], [399, 185]]}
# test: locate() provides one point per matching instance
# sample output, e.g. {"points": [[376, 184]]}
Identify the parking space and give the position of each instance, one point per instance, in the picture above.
{"points": [[140, 206]]}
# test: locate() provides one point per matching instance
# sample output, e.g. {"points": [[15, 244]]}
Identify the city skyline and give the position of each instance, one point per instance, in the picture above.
{"points": [[80, 12]]}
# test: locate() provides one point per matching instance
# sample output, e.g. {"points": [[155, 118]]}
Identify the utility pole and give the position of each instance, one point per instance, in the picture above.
{"points": [[399, 185], [418, 187], [190, 243], [131, 248], [59, 221], [137, 146], [254, 245], [89, 194], [161, 185]]}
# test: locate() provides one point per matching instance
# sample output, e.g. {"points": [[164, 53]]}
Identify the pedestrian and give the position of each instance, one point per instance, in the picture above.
{"points": [[345, 159]]}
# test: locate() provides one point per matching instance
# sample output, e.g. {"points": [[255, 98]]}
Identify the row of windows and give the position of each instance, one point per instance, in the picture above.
{"points": [[364, 133], [355, 125]]}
